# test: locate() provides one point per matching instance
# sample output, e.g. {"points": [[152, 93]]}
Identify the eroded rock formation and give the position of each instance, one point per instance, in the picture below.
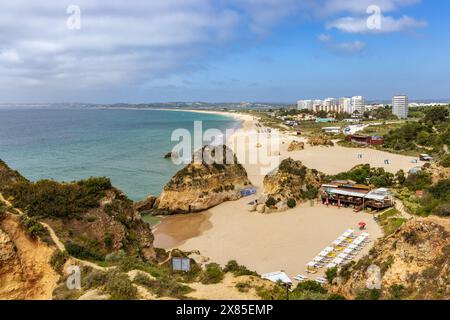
{"points": [[206, 182]]}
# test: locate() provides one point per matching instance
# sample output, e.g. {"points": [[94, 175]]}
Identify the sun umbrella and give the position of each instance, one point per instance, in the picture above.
{"points": [[362, 224]]}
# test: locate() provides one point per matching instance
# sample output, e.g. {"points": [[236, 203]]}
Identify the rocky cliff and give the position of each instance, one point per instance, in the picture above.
{"points": [[292, 180], [204, 183], [414, 263], [91, 217], [25, 271]]}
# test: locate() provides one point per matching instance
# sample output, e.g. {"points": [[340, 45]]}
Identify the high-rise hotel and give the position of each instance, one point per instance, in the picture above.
{"points": [[400, 106]]}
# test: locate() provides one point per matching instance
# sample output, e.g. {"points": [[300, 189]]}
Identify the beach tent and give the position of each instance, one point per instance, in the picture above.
{"points": [[277, 277]]}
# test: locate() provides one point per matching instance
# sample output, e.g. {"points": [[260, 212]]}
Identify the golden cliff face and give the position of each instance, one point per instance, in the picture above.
{"points": [[414, 263], [25, 270], [292, 180], [202, 185]]}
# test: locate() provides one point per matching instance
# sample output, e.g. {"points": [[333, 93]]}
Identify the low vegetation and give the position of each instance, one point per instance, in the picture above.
{"points": [[238, 270], [119, 286], [213, 273], [163, 287], [58, 260], [51, 199], [390, 221]]}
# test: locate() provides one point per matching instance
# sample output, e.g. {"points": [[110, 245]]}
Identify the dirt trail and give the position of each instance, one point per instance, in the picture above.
{"points": [[401, 208]]}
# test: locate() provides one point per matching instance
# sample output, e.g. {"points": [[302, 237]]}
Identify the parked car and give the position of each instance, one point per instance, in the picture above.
{"points": [[425, 157]]}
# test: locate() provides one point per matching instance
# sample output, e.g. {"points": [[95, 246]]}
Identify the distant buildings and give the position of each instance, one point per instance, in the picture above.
{"points": [[305, 104], [358, 104], [400, 106], [349, 105], [345, 104]]}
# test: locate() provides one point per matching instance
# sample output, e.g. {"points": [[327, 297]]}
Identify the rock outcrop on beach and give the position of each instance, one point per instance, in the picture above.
{"points": [[320, 140], [146, 205], [206, 182], [296, 146], [291, 181], [414, 263]]}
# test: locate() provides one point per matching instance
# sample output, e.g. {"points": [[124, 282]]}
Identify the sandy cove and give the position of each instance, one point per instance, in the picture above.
{"points": [[279, 241]]}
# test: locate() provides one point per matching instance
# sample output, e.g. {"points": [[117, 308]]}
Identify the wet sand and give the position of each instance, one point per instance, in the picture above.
{"points": [[173, 231]]}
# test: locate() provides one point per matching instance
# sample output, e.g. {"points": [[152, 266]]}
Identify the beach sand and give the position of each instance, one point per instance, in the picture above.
{"points": [[279, 241]]}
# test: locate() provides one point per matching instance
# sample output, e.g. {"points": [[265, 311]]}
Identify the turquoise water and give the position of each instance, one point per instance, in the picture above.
{"points": [[125, 145]]}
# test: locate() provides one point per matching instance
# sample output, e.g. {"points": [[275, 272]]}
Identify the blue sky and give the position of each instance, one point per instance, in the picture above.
{"points": [[223, 50]]}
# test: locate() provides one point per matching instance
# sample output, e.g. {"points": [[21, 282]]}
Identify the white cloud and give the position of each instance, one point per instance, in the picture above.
{"points": [[126, 44], [360, 6], [324, 37], [9, 56], [349, 47], [387, 25]]}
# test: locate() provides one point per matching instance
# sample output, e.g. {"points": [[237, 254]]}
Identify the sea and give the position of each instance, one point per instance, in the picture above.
{"points": [[126, 145]]}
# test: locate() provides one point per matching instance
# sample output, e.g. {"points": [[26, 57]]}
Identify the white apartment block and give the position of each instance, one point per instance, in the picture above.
{"points": [[345, 105], [358, 104], [349, 105], [305, 104], [400, 106]]}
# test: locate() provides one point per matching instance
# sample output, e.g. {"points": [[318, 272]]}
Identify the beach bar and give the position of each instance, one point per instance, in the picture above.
{"points": [[360, 197]]}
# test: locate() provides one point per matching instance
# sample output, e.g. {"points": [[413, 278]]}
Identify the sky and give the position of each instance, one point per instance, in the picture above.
{"points": [[139, 51]]}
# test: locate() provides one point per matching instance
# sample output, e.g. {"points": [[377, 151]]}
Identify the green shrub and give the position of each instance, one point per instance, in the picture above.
{"points": [[411, 237], [271, 202], [291, 203], [164, 287], [331, 274], [58, 259], [369, 294], [47, 198], [397, 291], [109, 241], [310, 286], [243, 287], [442, 210], [33, 227], [93, 279], [238, 270], [119, 286], [212, 274], [82, 252], [446, 161]]}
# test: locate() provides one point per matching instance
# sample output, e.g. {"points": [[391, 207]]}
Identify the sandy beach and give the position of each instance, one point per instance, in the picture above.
{"points": [[279, 241], [266, 243]]}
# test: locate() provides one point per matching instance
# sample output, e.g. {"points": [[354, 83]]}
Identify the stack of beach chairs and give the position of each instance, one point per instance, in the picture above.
{"points": [[343, 250]]}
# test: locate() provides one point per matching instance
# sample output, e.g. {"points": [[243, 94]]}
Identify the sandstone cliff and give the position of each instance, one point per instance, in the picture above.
{"points": [[25, 271], [414, 263], [91, 217], [205, 183], [292, 180]]}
